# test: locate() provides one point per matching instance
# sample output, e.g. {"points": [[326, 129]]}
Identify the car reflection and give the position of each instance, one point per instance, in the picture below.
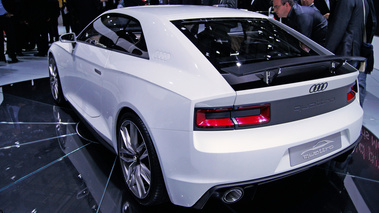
{"points": [[94, 176]]}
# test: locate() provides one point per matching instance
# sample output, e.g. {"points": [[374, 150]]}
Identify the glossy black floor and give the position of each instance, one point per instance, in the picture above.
{"points": [[49, 163]]}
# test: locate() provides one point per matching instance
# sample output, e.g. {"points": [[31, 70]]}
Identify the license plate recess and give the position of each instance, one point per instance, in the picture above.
{"points": [[315, 149]]}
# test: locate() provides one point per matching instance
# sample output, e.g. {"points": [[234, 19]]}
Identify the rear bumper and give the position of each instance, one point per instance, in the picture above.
{"points": [[252, 183], [196, 164]]}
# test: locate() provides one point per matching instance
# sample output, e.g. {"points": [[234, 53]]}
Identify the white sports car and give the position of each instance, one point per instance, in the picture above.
{"points": [[200, 101]]}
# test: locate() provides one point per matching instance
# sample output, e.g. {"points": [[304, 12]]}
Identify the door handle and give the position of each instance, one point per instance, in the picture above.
{"points": [[97, 71]]}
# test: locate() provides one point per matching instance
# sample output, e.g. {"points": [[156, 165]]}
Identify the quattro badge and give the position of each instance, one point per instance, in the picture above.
{"points": [[309, 151]]}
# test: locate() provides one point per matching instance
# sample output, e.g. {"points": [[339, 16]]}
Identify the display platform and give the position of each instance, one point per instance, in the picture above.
{"points": [[50, 163]]}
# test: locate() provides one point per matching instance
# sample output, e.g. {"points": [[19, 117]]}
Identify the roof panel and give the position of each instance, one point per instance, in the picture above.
{"points": [[175, 12]]}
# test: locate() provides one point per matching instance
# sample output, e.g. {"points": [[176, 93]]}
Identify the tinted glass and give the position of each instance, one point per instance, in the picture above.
{"points": [[231, 42], [116, 32]]}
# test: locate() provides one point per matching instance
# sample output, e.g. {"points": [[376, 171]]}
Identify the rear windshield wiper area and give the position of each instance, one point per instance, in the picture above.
{"points": [[289, 70]]}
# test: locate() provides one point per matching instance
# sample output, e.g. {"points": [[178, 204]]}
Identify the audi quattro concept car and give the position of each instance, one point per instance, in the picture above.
{"points": [[200, 100]]}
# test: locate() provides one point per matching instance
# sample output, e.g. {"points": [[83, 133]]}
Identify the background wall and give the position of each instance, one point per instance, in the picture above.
{"points": [[375, 42]]}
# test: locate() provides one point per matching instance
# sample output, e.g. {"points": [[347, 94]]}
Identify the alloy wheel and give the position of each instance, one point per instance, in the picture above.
{"points": [[54, 80], [134, 159]]}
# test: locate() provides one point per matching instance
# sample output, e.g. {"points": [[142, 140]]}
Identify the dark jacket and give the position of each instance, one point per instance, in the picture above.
{"points": [[309, 22], [53, 11], [345, 33], [82, 12], [260, 5], [371, 21], [9, 6], [321, 5], [36, 11]]}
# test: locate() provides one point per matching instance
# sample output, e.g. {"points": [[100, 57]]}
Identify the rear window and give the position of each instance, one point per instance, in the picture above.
{"points": [[234, 42]]}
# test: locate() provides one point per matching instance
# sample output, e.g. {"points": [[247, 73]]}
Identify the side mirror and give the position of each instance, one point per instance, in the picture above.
{"points": [[68, 38]]}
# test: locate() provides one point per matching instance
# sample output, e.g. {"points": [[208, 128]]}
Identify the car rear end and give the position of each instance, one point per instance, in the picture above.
{"points": [[296, 106]]}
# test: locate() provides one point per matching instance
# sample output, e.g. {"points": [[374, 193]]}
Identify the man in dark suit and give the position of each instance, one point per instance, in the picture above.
{"points": [[345, 34], [83, 12], [7, 20], [306, 20], [346, 31], [37, 17], [324, 6]]}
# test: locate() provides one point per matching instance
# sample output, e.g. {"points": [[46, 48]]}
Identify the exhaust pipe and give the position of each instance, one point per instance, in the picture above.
{"points": [[232, 195]]}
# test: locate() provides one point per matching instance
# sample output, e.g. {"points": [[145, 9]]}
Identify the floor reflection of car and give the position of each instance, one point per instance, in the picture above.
{"points": [[94, 186], [200, 101]]}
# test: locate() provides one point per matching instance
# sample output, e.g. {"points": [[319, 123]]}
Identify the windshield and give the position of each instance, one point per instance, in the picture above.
{"points": [[239, 41]]}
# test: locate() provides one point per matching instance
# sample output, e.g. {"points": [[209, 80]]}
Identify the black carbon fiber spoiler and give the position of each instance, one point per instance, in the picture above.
{"points": [[267, 71]]}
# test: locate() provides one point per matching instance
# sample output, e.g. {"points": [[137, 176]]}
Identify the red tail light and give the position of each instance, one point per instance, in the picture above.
{"points": [[352, 92], [214, 118], [228, 118], [246, 116]]}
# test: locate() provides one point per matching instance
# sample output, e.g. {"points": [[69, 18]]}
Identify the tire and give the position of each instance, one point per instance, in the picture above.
{"points": [[139, 162], [55, 83]]}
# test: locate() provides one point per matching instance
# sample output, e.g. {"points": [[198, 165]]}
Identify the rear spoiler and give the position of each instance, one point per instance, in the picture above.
{"points": [[269, 70]]}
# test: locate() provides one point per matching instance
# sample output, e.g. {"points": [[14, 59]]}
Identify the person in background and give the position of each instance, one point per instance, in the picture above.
{"points": [[37, 16], [66, 16], [120, 4], [210, 2], [7, 20], [261, 6], [82, 13], [346, 32], [325, 6], [309, 3], [306, 20], [228, 3], [52, 20], [108, 5]]}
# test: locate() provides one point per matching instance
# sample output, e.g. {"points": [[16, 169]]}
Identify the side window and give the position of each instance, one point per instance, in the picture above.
{"points": [[116, 32]]}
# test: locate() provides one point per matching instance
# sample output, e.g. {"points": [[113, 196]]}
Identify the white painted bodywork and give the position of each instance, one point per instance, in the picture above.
{"points": [[164, 90]]}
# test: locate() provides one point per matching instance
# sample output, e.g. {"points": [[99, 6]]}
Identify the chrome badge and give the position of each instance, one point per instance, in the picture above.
{"points": [[318, 87]]}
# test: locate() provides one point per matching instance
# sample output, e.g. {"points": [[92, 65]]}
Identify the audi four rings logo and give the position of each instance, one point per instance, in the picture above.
{"points": [[318, 87]]}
